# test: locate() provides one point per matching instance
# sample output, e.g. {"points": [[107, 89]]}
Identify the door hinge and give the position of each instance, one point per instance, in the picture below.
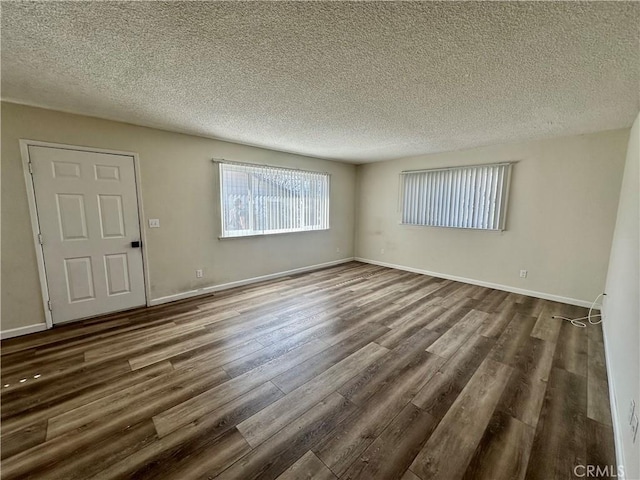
{"points": [[40, 239], [31, 168], [49, 305]]}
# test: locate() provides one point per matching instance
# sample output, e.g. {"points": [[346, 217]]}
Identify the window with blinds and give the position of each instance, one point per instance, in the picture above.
{"points": [[460, 197], [262, 200]]}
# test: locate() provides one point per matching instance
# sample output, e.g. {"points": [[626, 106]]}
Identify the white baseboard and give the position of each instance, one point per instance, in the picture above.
{"points": [[617, 430], [16, 332], [496, 286], [247, 281]]}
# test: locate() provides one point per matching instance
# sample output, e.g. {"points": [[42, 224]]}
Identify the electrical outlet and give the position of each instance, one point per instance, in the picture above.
{"points": [[634, 428], [632, 410], [382, 251], [338, 250], [198, 273], [523, 274], [154, 223]]}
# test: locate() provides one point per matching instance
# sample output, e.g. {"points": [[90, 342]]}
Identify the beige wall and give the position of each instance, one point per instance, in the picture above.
{"points": [[560, 219], [559, 227], [622, 306], [179, 188]]}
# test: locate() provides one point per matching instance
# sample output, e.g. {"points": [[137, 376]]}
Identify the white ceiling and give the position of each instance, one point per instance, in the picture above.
{"points": [[358, 82]]}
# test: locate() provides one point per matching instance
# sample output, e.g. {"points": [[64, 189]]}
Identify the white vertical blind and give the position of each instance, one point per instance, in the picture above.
{"points": [[460, 197], [261, 200]]}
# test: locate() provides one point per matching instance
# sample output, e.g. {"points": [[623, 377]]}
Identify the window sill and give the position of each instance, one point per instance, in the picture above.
{"points": [[416, 225], [234, 237]]}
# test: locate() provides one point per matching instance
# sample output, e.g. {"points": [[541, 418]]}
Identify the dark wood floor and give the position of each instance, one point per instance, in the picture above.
{"points": [[356, 371]]}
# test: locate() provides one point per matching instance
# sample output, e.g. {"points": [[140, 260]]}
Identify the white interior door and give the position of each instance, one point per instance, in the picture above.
{"points": [[87, 208]]}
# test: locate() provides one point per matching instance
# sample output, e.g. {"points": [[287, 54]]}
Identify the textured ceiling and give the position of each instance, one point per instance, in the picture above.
{"points": [[354, 81]]}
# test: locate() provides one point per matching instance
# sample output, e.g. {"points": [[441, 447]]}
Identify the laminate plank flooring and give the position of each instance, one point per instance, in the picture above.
{"points": [[352, 372]]}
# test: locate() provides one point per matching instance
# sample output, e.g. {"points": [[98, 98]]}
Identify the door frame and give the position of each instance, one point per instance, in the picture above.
{"points": [[35, 225]]}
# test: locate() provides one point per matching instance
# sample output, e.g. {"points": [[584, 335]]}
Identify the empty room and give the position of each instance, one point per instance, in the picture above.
{"points": [[329, 240]]}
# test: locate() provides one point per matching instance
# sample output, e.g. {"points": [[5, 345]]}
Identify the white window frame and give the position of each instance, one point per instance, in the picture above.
{"points": [[324, 217], [442, 197]]}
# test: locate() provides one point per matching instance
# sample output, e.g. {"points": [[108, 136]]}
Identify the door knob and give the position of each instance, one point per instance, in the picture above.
{"points": [[135, 244]]}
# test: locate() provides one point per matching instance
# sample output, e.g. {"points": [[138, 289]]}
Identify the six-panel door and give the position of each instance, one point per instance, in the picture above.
{"points": [[88, 215]]}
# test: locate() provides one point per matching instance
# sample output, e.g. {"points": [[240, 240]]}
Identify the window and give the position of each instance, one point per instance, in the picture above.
{"points": [[460, 197], [261, 200]]}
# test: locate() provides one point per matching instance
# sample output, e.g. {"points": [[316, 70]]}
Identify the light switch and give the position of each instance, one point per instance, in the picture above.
{"points": [[154, 223]]}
